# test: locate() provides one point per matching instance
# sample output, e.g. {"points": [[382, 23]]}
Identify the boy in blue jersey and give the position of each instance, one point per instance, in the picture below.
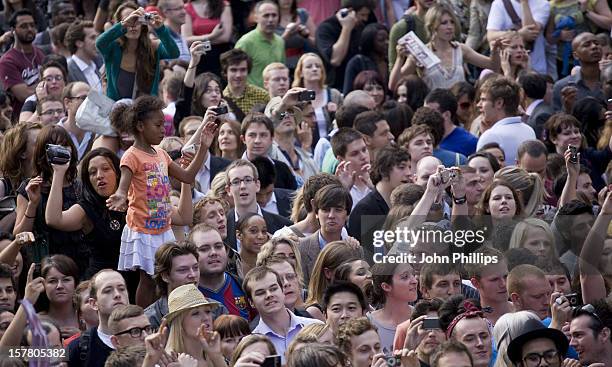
{"points": [[215, 282]]}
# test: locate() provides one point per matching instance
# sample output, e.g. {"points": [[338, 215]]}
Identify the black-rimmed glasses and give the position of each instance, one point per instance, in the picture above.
{"points": [[136, 332], [534, 359]]}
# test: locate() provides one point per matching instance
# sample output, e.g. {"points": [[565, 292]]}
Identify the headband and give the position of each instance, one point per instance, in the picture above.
{"points": [[470, 311]]}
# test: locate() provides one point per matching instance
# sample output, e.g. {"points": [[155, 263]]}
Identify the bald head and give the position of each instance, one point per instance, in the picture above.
{"points": [[426, 167], [359, 98], [581, 38]]}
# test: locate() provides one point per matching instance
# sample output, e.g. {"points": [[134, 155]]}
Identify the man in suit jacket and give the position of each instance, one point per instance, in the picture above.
{"points": [[537, 111], [85, 61], [211, 167], [390, 169], [243, 184], [332, 205], [272, 199]]}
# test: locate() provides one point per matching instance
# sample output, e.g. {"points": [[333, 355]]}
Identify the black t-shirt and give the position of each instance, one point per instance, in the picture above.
{"points": [[104, 240], [88, 350], [50, 241]]}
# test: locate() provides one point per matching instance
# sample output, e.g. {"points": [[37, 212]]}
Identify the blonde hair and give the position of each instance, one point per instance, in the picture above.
{"points": [[273, 66], [529, 186], [309, 334], [218, 184], [519, 234], [433, 17], [507, 327], [298, 205], [177, 335], [298, 75], [267, 251]]}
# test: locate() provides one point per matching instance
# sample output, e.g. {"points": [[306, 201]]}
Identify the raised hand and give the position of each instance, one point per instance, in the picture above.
{"points": [[211, 340], [185, 360], [24, 238], [34, 287], [409, 358], [345, 174], [33, 189], [209, 130], [415, 333], [60, 168], [133, 18], [349, 21], [156, 343], [572, 168], [196, 52], [252, 359], [304, 134]]}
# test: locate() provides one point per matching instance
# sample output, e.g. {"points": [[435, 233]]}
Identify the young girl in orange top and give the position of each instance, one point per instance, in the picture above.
{"points": [[144, 171]]}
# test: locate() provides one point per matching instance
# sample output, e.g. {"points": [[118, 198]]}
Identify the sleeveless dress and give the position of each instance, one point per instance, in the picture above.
{"points": [[440, 77]]}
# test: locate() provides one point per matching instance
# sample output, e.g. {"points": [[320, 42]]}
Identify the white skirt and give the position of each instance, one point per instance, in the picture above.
{"points": [[138, 249]]}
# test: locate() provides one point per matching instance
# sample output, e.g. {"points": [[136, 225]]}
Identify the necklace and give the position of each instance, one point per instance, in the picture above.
{"points": [[26, 58]]}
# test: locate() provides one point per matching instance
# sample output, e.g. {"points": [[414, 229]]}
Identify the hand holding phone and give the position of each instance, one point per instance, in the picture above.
{"points": [[272, 361]]}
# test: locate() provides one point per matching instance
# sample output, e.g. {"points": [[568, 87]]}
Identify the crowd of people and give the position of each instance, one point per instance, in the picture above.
{"points": [[306, 183]]}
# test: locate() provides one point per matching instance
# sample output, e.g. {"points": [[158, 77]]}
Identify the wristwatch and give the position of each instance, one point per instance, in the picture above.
{"points": [[460, 200]]}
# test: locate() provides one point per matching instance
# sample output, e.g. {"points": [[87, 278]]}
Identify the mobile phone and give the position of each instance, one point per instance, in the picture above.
{"points": [[37, 271], [307, 95], [189, 149], [574, 154], [431, 323], [574, 299], [272, 361], [344, 13]]}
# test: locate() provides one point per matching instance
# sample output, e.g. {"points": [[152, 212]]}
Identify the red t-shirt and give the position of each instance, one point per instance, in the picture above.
{"points": [[200, 25], [17, 67]]}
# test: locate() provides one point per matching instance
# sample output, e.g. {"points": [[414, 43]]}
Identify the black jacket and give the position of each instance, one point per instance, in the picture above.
{"points": [[284, 200], [367, 216], [88, 350]]}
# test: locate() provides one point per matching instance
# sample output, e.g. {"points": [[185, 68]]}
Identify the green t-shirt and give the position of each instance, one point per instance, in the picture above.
{"points": [[400, 29], [262, 52], [330, 163]]}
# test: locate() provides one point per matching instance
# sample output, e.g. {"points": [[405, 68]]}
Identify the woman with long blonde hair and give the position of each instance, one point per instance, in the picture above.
{"points": [[536, 236], [310, 74], [190, 319]]}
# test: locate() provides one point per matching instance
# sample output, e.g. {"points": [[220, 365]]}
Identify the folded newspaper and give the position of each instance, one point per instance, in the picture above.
{"points": [[417, 48]]}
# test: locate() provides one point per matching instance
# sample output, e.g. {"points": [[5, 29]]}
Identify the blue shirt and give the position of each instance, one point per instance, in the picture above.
{"points": [[281, 342], [231, 296], [448, 158], [460, 141]]}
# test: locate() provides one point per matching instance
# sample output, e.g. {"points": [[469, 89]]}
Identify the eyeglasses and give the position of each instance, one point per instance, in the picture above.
{"points": [[50, 78], [58, 111], [534, 359], [136, 332], [237, 181], [81, 98]]}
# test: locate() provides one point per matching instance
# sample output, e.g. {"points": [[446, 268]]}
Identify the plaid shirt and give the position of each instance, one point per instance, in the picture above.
{"points": [[252, 95]]}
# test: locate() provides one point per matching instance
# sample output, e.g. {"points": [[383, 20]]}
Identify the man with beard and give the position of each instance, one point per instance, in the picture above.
{"points": [[215, 283], [261, 44], [84, 63], [19, 66], [586, 82], [338, 37]]}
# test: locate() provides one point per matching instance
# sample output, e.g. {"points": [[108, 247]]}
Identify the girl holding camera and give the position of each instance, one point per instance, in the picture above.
{"points": [[131, 59]]}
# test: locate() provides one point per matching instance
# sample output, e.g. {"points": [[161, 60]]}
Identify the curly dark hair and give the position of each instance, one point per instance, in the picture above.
{"points": [[387, 158], [431, 118], [128, 117]]}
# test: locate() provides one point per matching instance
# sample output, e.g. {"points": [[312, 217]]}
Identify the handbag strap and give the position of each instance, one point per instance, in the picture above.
{"points": [[516, 20]]}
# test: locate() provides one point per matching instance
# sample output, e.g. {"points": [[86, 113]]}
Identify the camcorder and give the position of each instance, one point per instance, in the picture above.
{"points": [[57, 154]]}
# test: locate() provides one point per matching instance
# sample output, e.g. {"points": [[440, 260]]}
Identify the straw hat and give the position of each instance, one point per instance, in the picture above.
{"points": [[186, 297]]}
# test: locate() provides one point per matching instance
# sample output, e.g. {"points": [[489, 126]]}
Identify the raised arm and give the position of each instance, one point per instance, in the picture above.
{"points": [[205, 134], [10, 252], [118, 200], [569, 189], [183, 214], [396, 72], [492, 62], [434, 189], [69, 220], [591, 279], [27, 208]]}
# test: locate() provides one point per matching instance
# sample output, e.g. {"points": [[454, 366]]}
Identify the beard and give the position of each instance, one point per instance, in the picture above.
{"points": [[25, 39]]}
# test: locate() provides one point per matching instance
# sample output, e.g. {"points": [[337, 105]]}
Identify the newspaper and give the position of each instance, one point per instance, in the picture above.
{"points": [[417, 48]]}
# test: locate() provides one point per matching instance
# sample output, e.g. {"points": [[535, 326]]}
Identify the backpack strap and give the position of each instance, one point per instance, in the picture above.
{"points": [[516, 20], [84, 347]]}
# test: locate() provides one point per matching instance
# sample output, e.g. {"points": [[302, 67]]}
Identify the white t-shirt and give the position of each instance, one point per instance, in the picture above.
{"points": [[499, 20]]}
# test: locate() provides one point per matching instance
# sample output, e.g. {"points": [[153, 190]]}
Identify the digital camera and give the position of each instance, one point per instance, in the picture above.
{"points": [[57, 154]]}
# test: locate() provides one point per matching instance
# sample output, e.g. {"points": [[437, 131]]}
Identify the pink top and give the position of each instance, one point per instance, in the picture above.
{"points": [[200, 25]]}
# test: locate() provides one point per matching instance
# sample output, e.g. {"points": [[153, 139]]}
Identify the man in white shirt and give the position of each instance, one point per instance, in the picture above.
{"points": [[74, 94], [533, 15], [499, 104], [264, 291], [81, 41]]}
